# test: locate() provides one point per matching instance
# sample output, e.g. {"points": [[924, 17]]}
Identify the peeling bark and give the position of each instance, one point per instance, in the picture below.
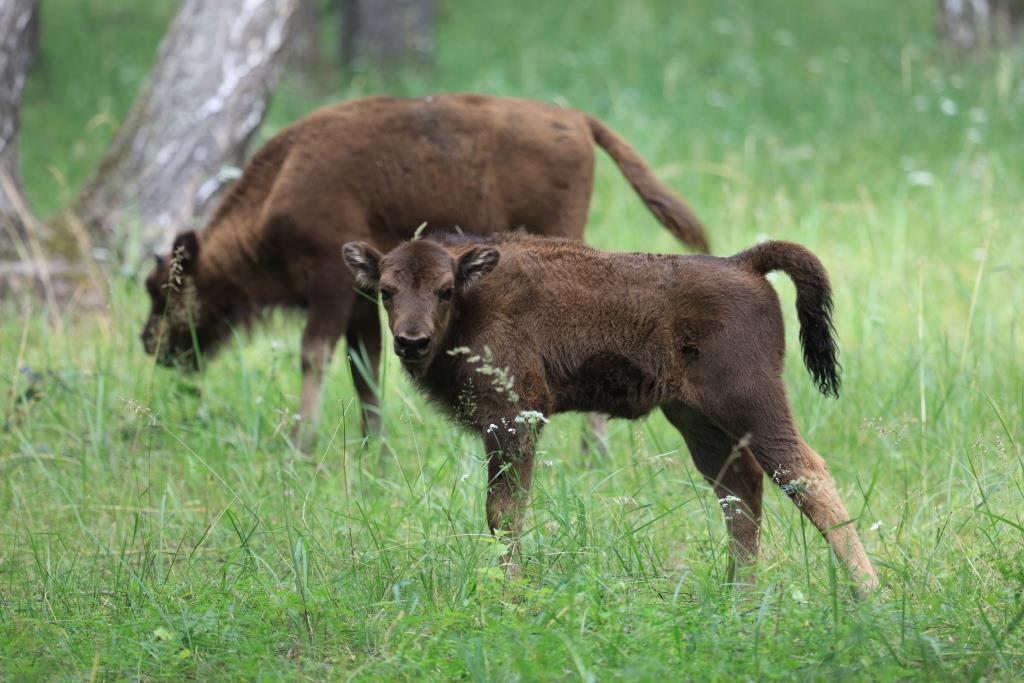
{"points": [[202, 104], [18, 31], [387, 34]]}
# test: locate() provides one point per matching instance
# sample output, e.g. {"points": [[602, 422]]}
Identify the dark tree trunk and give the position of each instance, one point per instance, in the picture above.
{"points": [[305, 52], [387, 34], [201, 106], [979, 24], [18, 34]]}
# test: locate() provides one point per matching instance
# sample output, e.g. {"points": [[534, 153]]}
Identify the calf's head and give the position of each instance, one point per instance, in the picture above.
{"points": [[188, 317], [420, 285]]}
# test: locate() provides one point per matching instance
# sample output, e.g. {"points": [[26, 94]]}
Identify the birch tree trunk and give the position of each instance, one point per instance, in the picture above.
{"points": [[18, 27], [979, 24], [202, 104], [387, 34]]}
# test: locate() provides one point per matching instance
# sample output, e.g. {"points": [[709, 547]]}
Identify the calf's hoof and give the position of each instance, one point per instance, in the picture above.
{"points": [[866, 584]]}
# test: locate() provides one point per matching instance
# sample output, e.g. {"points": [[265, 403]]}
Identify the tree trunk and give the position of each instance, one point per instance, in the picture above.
{"points": [[387, 34], [201, 106], [18, 31], [305, 52], [979, 24]]}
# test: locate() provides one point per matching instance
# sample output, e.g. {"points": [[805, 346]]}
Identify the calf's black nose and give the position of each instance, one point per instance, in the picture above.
{"points": [[412, 347]]}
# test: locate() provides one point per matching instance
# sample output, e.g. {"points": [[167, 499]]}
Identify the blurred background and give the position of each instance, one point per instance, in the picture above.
{"points": [[135, 116]]}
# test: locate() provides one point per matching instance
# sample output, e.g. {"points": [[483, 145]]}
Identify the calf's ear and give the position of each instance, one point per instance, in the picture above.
{"points": [[364, 262], [476, 263], [185, 251]]}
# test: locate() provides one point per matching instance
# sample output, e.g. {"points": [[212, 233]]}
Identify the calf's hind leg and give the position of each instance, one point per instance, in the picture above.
{"points": [[804, 477], [800, 472], [737, 479]]}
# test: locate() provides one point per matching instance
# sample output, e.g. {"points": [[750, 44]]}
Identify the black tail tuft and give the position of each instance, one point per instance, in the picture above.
{"points": [[813, 306], [818, 338]]}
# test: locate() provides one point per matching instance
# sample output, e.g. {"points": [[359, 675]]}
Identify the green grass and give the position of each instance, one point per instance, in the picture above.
{"points": [[158, 527]]}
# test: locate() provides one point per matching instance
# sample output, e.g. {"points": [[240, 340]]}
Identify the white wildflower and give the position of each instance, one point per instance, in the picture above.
{"points": [[920, 179], [876, 526], [730, 506], [947, 106], [530, 417]]}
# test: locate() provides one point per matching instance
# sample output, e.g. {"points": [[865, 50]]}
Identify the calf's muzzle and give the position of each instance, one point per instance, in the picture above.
{"points": [[412, 346]]}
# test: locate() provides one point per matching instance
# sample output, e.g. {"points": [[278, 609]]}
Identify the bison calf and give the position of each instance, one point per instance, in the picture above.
{"points": [[498, 329]]}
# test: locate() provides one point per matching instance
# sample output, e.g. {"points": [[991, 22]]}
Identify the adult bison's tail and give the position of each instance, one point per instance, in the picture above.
{"points": [[669, 209], [813, 305]]}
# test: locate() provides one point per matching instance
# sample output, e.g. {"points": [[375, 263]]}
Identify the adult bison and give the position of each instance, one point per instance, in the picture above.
{"points": [[375, 169]]}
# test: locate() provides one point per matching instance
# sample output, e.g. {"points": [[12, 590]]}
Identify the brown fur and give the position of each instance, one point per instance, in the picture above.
{"points": [[374, 169], [700, 337]]}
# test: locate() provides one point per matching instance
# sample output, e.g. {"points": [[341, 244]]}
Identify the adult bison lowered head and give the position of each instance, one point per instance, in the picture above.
{"points": [[192, 310], [420, 284]]}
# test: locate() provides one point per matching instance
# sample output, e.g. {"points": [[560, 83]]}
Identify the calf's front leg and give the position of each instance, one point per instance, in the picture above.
{"points": [[509, 448]]}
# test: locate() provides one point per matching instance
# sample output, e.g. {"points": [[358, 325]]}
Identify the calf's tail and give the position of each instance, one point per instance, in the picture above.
{"points": [[670, 210], [813, 305]]}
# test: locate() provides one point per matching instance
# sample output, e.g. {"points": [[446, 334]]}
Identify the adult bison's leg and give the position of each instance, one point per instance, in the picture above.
{"points": [[331, 298], [737, 479], [364, 344], [509, 447], [597, 437]]}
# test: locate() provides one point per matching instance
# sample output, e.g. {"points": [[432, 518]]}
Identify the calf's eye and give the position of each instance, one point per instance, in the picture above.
{"points": [[385, 295], [446, 294]]}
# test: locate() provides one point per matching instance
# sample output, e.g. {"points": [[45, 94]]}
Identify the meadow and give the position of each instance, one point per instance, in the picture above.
{"points": [[155, 526]]}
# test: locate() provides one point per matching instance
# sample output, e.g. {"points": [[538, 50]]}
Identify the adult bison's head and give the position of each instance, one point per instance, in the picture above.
{"points": [[191, 312], [420, 284]]}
